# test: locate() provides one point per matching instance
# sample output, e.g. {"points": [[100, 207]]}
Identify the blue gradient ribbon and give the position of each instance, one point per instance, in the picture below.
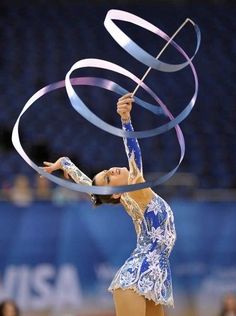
{"points": [[137, 52]]}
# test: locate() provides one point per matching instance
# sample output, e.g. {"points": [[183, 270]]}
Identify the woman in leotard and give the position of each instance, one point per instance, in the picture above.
{"points": [[143, 284]]}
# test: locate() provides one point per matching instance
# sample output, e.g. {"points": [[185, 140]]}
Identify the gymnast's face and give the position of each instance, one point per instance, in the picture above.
{"points": [[112, 177]]}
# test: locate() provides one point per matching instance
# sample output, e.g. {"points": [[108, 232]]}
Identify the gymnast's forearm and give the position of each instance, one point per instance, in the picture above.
{"points": [[132, 146], [74, 172]]}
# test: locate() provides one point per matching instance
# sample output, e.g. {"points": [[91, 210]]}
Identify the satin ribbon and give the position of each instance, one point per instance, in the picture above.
{"points": [[137, 52]]}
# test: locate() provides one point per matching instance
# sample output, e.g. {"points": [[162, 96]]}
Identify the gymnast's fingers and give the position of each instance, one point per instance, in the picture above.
{"points": [[66, 175], [47, 163], [125, 106], [47, 169], [127, 95], [125, 101], [123, 111]]}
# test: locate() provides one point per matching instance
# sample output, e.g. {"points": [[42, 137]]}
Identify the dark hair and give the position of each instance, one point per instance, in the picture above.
{"points": [[98, 199], [12, 303]]}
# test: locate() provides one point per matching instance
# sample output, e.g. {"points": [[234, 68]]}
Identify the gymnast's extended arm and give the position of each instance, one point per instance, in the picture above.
{"points": [[70, 170]]}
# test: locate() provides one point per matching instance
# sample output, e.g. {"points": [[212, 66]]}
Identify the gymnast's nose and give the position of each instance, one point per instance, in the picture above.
{"points": [[112, 171]]}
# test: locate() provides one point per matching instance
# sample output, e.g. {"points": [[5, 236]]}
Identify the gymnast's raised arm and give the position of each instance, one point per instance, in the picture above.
{"points": [[124, 107]]}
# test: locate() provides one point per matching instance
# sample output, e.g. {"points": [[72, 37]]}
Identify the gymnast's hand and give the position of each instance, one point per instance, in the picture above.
{"points": [[53, 166], [124, 107]]}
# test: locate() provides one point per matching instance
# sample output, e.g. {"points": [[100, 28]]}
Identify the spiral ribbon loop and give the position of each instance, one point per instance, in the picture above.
{"points": [[137, 52]]}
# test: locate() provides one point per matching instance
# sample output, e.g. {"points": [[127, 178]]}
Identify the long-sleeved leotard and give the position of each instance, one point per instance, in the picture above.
{"points": [[132, 147], [147, 270], [135, 202], [74, 172]]}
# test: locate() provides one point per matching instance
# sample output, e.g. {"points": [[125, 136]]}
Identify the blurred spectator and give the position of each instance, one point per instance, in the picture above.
{"points": [[5, 191], [62, 195], [228, 306], [43, 189], [21, 193], [9, 308]]}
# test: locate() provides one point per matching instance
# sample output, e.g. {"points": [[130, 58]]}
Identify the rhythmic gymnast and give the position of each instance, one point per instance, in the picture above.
{"points": [[143, 284]]}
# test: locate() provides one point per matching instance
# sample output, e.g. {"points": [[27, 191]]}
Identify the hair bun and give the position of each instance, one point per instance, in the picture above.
{"points": [[95, 200]]}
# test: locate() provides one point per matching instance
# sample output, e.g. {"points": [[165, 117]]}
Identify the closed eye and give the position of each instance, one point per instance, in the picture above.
{"points": [[106, 177]]}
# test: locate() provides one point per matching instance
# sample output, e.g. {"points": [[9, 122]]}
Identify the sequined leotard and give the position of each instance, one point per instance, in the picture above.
{"points": [[147, 270]]}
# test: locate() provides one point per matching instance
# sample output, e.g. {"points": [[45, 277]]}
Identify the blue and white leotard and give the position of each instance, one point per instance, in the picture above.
{"points": [[147, 270]]}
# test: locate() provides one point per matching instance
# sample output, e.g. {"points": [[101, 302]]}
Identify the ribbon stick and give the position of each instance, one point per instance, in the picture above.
{"points": [[159, 55], [158, 109]]}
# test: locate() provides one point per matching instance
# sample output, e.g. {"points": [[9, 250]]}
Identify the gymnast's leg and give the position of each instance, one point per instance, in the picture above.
{"points": [[129, 303], [154, 310]]}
